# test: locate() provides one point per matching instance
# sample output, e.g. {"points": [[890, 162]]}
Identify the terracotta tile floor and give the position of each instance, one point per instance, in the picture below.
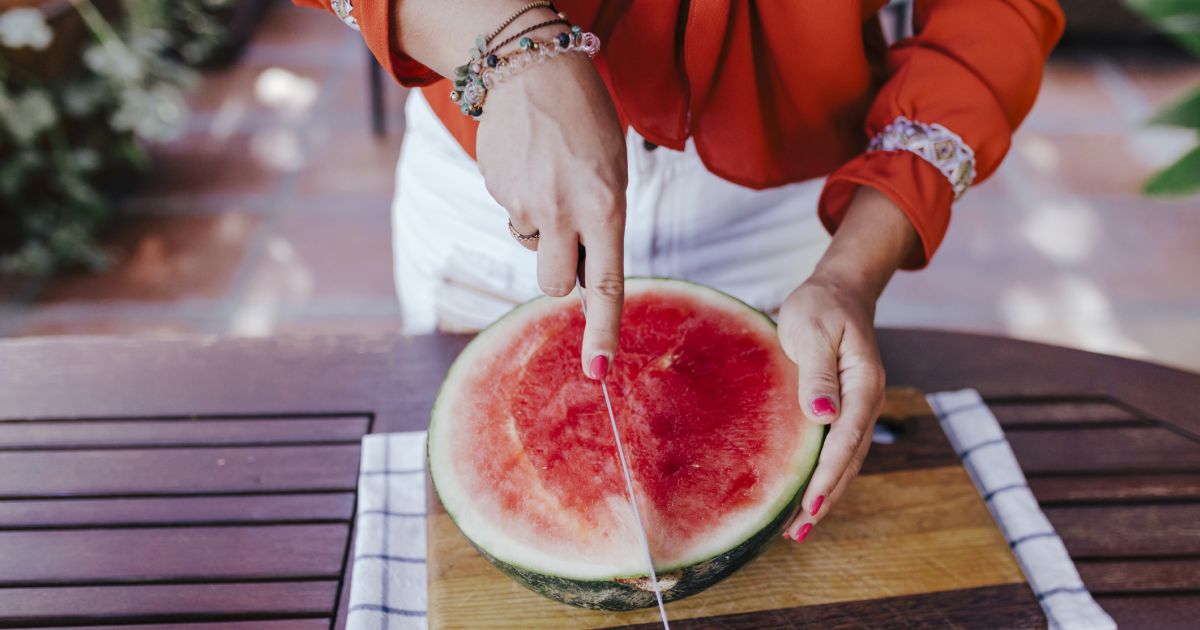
{"points": [[271, 215]]}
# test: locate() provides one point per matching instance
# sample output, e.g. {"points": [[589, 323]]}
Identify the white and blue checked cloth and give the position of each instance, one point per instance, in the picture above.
{"points": [[388, 585], [979, 441]]}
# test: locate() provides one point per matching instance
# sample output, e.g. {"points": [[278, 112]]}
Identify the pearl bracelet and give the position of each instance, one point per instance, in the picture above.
{"points": [[474, 78]]}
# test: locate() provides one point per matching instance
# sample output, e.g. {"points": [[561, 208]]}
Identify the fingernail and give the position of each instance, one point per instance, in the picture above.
{"points": [[823, 406], [599, 367], [816, 505], [803, 533]]}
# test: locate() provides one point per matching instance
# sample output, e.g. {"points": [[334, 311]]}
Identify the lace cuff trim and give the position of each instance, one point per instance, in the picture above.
{"points": [[342, 8], [933, 143]]}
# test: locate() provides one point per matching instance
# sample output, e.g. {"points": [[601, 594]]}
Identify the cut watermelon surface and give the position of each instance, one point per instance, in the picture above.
{"points": [[521, 451]]}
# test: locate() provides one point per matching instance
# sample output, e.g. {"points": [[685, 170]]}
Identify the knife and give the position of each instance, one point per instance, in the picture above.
{"points": [[637, 515]]}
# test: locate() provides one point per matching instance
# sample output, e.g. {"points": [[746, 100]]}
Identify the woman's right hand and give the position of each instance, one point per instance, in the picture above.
{"points": [[551, 151]]}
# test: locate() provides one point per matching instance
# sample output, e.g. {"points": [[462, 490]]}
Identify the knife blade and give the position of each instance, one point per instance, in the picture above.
{"points": [[637, 515]]}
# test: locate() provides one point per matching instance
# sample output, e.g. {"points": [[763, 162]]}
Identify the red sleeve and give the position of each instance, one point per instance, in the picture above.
{"points": [[972, 67], [376, 20]]}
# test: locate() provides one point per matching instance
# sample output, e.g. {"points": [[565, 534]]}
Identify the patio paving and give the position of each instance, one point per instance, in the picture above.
{"points": [[270, 216]]}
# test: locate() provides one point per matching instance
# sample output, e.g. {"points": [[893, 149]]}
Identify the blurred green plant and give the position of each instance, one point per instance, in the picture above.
{"points": [[80, 90], [1179, 19], [200, 28]]}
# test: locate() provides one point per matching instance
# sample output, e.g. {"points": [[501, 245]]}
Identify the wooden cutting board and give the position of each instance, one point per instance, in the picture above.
{"points": [[910, 544]]}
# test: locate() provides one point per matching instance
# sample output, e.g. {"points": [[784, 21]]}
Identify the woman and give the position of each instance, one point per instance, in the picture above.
{"points": [[691, 146]]}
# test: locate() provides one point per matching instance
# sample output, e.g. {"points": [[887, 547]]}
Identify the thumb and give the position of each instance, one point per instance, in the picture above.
{"points": [[816, 357]]}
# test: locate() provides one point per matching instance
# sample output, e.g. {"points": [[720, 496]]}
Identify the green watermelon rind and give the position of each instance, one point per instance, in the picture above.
{"points": [[621, 596], [620, 593]]}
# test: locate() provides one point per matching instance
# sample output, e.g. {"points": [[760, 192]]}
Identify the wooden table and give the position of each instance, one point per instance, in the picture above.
{"points": [[202, 482]]}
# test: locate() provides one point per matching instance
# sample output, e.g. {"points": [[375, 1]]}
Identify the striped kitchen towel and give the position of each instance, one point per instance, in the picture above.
{"points": [[387, 586], [979, 441]]}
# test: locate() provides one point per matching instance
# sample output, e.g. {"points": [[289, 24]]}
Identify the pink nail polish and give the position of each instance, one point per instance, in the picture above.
{"points": [[823, 406], [816, 505], [599, 367], [803, 533]]}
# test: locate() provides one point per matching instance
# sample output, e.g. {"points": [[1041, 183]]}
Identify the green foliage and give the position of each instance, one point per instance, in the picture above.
{"points": [[1179, 19], [201, 34], [1180, 178], [70, 139], [1182, 113]]}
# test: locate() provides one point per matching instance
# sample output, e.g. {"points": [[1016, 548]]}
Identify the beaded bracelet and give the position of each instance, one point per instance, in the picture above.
{"points": [[561, 19], [474, 79], [539, 4]]}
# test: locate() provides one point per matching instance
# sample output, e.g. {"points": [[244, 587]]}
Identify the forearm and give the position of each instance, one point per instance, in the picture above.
{"points": [[439, 33], [870, 245]]}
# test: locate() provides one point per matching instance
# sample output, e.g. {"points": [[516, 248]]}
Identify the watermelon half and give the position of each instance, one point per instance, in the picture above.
{"points": [[521, 450]]}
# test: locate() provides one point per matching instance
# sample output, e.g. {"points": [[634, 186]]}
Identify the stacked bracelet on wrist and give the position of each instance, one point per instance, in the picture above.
{"points": [[539, 4], [486, 68]]}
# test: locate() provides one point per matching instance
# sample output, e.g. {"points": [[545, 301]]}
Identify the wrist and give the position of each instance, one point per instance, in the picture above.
{"points": [[874, 239], [533, 85], [489, 66], [858, 287], [439, 33]]}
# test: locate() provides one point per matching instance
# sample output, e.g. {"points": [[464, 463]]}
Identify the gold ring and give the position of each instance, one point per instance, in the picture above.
{"points": [[523, 237]]}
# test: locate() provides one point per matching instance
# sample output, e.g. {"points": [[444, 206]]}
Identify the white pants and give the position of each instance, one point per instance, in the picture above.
{"points": [[458, 269]]}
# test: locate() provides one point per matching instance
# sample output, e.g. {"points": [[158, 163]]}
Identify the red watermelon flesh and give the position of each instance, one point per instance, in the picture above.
{"points": [[523, 456]]}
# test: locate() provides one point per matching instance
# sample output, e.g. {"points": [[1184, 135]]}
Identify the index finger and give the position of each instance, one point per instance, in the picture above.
{"points": [[603, 269]]}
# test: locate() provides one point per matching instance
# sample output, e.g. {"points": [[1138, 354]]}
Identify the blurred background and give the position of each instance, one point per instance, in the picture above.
{"points": [[226, 167]]}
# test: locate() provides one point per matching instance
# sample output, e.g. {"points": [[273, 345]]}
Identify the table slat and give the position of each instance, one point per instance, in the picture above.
{"points": [[1128, 530], [175, 510], [178, 471], [149, 602], [1148, 449], [1042, 412], [74, 434], [171, 554], [1147, 575], [1152, 612], [1113, 487], [265, 624]]}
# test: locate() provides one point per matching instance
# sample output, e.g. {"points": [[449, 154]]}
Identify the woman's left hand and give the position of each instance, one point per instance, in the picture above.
{"points": [[827, 326], [828, 329]]}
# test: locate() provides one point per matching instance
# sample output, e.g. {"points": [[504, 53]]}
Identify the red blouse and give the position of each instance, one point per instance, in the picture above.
{"points": [[783, 91]]}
